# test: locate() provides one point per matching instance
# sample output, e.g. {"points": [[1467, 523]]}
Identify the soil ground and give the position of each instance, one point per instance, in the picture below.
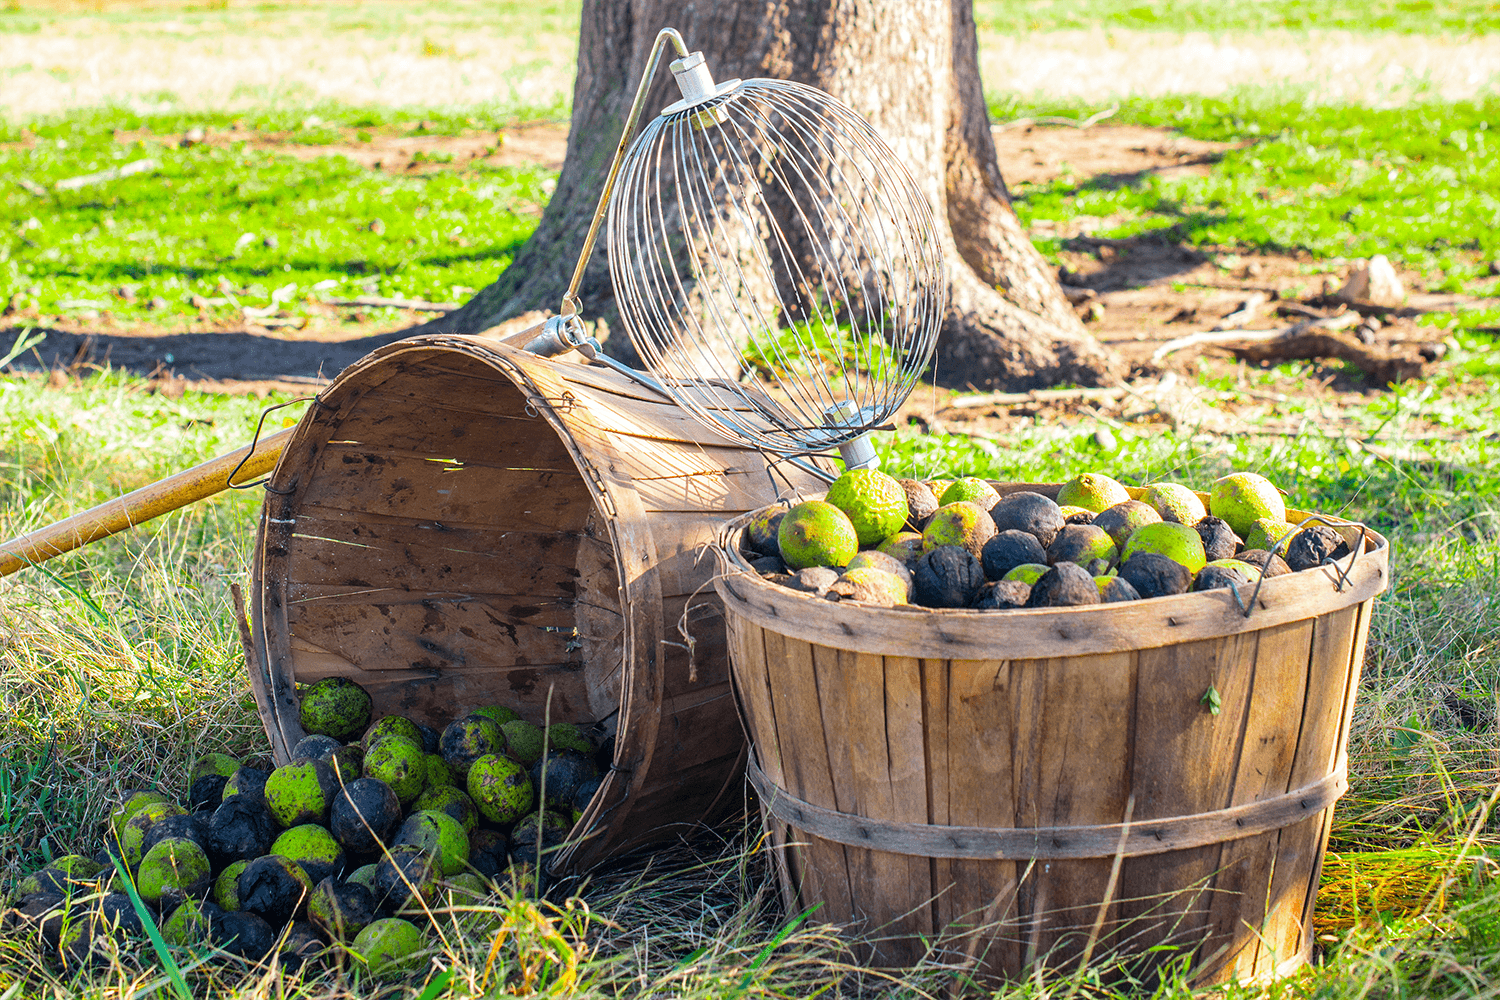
{"points": [[1135, 294]]}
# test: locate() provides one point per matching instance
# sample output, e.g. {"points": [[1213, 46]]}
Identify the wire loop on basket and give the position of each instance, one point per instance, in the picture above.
{"points": [[1343, 576], [229, 479]]}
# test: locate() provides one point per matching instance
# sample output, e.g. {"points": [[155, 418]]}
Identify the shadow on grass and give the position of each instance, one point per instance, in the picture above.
{"points": [[199, 356]]}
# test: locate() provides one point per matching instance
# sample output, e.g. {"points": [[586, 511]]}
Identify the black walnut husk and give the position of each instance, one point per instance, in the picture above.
{"points": [[1314, 545], [302, 945], [1219, 539], [249, 782], [404, 874], [1217, 578], [431, 739], [315, 747], [1003, 595], [920, 503], [488, 851], [1269, 563], [1118, 590], [565, 771], [523, 839], [364, 816], [1154, 575], [117, 910], [240, 829], [1029, 512], [1065, 585], [1075, 543], [340, 909], [814, 579], [247, 935], [270, 889], [207, 792], [1009, 549], [193, 826], [947, 577]]}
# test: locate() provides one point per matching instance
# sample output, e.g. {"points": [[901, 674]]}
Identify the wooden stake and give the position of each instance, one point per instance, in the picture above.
{"points": [[160, 497]]}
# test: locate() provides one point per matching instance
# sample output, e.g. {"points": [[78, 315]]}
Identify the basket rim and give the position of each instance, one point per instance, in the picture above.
{"points": [[1045, 633]]}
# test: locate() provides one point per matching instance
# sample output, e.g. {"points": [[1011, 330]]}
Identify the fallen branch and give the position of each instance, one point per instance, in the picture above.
{"points": [[1298, 309], [113, 174], [1248, 310], [1084, 123], [379, 302], [1233, 336], [32, 186], [1035, 396], [1380, 367]]}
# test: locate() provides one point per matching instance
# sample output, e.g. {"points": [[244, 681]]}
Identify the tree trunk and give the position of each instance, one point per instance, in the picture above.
{"points": [[910, 67]]}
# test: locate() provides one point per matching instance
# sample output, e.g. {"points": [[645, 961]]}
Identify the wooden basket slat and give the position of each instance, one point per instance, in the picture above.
{"points": [[1070, 767], [520, 523], [446, 501], [980, 768], [399, 486], [1316, 754], [348, 552], [1241, 886]]}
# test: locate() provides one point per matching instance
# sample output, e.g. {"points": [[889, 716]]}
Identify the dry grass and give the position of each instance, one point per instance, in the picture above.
{"points": [[511, 56], [1381, 69], [520, 58]]}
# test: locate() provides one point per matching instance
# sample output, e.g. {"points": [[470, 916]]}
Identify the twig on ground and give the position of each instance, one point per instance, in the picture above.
{"points": [[1248, 310], [1380, 366], [377, 301], [32, 186], [112, 174], [1232, 336], [1035, 396], [1093, 119], [1298, 309]]}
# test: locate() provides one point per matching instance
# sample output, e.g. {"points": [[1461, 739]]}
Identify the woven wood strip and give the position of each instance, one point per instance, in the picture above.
{"points": [[1147, 837]]}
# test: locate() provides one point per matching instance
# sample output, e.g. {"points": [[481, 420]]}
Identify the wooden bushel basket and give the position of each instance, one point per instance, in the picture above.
{"points": [[458, 523], [1034, 786]]}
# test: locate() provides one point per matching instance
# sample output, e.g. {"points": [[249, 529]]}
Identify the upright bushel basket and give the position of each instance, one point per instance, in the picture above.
{"points": [[458, 523], [1153, 779]]}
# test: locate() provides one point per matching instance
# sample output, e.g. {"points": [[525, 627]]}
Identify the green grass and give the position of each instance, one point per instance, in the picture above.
{"points": [[1424, 17], [1420, 184], [258, 223], [121, 665]]}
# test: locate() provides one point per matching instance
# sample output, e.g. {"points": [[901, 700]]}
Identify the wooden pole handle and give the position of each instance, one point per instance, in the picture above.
{"points": [[140, 505]]}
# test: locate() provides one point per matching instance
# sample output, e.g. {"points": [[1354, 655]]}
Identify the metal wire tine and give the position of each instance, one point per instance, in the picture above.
{"points": [[853, 386], [811, 179], [814, 400]]}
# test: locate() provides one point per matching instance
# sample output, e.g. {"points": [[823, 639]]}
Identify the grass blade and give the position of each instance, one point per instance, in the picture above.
{"points": [[174, 973], [437, 986]]}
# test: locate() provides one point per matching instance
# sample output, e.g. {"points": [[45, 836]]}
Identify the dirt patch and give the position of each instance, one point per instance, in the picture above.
{"points": [[1112, 155]]}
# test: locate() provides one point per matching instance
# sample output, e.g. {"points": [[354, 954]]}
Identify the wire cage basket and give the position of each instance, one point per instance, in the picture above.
{"points": [[775, 265]]}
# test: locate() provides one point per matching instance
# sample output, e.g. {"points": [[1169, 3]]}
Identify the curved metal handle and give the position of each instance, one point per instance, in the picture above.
{"points": [[570, 304]]}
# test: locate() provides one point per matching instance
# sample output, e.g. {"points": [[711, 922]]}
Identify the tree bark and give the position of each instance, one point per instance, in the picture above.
{"points": [[910, 67]]}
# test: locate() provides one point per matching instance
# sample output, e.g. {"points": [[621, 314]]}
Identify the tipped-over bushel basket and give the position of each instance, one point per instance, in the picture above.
{"points": [[458, 523], [1034, 786]]}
